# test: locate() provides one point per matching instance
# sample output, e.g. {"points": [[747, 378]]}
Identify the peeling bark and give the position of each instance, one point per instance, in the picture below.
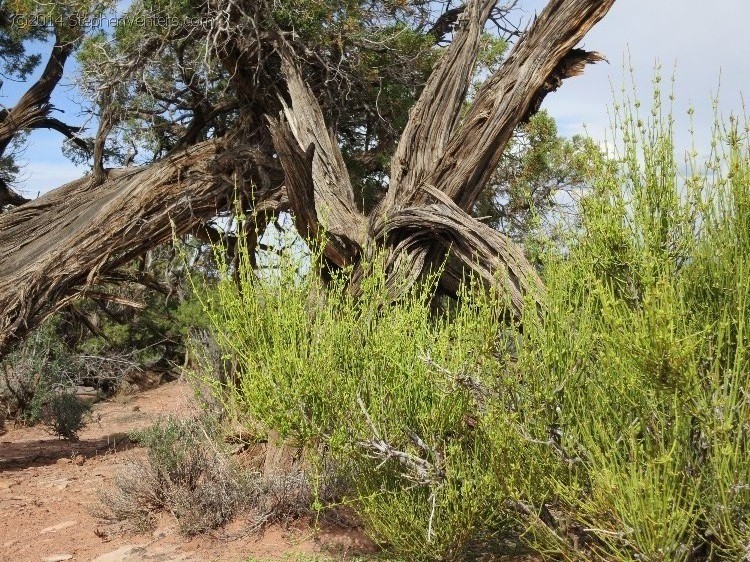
{"points": [[440, 165], [538, 63], [433, 119], [54, 246], [318, 183]]}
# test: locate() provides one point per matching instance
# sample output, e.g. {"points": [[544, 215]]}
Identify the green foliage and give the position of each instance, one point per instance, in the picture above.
{"points": [[367, 62], [644, 349], [616, 428], [535, 190], [377, 383], [491, 54], [138, 324], [35, 371], [65, 415], [145, 319]]}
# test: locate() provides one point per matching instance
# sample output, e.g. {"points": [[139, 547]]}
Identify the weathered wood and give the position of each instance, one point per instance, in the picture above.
{"points": [[434, 117], [318, 182], [473, 248], [544, 56], [51, 248], [441, 165]]}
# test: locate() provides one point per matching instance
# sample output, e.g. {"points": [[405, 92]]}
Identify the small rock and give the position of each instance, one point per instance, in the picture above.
{"points": [[136, 408], [161, 533], [58, 527], [120, 554], [79, 460], [86, 391], [57, 558]]}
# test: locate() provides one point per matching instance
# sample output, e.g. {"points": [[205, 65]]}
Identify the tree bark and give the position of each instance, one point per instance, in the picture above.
{"points": [[441, 162], [52, 248]]}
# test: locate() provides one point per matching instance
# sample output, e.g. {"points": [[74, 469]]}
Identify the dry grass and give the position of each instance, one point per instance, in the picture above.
{"points": [[184, 473], [193, 477]]}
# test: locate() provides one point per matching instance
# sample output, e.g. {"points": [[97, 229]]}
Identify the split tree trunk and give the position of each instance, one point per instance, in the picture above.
{"points": [[441, 163], [50, 249]]}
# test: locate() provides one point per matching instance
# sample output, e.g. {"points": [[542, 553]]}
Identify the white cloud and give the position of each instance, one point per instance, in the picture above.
{"points": [[699, 42]]}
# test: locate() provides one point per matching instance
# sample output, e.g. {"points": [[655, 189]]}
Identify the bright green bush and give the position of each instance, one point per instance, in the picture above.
{"points": [[643, 351], [342, 375], [617, 428]]}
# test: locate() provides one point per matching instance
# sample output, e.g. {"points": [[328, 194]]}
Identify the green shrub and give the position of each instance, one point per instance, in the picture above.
{"points": [[617, 428], [34, 372], [643, 351], [65, 415], [416, 410]]}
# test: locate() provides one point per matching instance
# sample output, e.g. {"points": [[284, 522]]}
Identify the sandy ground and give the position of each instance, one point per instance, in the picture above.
{"points": [[49, 491]]}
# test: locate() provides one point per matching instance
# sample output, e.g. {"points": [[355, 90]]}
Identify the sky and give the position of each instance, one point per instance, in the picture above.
{"points": [[704, 45]]}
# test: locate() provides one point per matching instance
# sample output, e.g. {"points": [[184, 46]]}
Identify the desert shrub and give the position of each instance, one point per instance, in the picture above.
{"points": [[65, 415], [186, 472], [643, 352], [614, 427], [395, 397], [44, 366], [33, 372]]}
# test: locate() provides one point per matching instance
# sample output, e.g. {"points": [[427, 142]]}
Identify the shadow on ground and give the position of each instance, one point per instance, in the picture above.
{"points": [[25, 454]]}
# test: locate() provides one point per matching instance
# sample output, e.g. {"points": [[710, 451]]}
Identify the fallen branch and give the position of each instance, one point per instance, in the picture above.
{"points": [[417, 469]]}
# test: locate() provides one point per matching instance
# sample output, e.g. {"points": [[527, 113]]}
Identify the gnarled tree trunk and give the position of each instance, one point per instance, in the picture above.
{"points": [[52, 248], [441, 162]]}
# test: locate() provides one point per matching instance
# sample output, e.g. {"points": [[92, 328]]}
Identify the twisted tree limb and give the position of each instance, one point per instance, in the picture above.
{"points": [[441, 165], [51, 249], [318, 183], [545, 55], [54, 246], [32, 110]]}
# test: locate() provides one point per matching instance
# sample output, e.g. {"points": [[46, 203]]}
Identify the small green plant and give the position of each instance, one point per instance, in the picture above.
{"points": [[65, 415], [33, 372]]}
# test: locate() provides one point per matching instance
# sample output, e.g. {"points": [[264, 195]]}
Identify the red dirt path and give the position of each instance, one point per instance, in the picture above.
{"points": [[49, 487]]}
